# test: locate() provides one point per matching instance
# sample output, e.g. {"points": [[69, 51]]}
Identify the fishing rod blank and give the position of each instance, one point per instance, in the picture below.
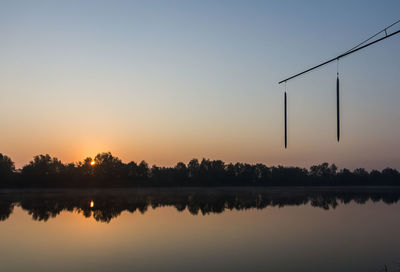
{"points": [[339, 57]]}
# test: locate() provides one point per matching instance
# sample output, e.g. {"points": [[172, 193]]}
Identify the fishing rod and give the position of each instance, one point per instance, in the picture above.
{"points": [[356, 48]]}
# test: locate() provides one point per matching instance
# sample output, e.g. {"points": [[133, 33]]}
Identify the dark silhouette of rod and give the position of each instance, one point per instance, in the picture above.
{"points": [[373, 36], [341, 56], [285, 102], [337, 108]]}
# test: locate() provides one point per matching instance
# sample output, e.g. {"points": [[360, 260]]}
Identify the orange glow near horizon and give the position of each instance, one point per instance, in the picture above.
{"points": [[92, 163]]}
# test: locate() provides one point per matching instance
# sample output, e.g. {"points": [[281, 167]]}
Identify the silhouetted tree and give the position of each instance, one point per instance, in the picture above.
{"points": [[181, 173], [143, 170], [44, 170], [390, 176], [107, 167], [7, 168], [323, 170], [193, 169], [86, 168]]}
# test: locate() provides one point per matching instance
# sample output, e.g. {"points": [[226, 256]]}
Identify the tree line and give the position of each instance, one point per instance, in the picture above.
{"points": [[106, 170]]}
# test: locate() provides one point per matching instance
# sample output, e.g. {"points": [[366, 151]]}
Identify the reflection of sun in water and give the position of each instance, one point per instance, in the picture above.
{"points": [[92, 163], [91, 204]]}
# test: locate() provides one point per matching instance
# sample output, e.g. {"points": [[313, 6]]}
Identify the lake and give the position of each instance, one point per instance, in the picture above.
{"points": [[198, 229]]}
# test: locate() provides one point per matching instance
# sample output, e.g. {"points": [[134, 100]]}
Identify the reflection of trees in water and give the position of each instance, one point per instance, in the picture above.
{"points": [[109, 204], [6, 208]]}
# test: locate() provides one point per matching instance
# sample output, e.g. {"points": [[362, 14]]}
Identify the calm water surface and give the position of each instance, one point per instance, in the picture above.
{"points": [[236, 229]]}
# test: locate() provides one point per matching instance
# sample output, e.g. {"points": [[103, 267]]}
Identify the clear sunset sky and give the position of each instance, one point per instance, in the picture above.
{"points": [[167, 81]]}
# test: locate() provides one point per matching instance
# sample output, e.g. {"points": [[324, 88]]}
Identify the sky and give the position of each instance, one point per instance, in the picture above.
{"points": [[168, 81]]}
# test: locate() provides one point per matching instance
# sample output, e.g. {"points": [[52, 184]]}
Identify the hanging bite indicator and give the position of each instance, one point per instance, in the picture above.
{"points": [[337, 102], [285, 117]]}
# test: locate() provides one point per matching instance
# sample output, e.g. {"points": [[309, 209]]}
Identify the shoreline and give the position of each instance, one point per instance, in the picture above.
{"points": [[207, 188]]}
